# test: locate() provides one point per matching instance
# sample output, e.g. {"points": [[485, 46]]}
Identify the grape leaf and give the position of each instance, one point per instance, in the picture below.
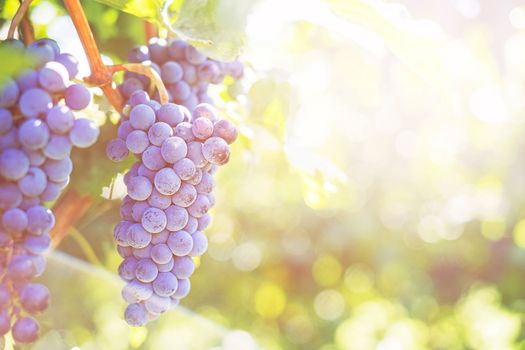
{"points": [[217, 27]]}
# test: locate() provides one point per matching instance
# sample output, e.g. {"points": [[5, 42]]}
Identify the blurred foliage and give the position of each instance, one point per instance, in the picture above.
{"points": [[375, 198]]}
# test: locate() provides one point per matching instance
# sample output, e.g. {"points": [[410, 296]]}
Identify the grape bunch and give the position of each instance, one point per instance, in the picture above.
{"points": [[38, 129], [184, 70], [169, 194]]}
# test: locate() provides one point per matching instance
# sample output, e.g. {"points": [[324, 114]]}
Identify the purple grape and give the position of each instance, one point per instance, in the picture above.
{"points": [[142, 117], [152, 158], [58, 170], [139, 188], [146, 270], [173, 149], [124, 130], [10, 196], [9, 93], [202, 128], [216, 150], [157, 50], [136, 315], [77, 97], [180, 91], [159, 200], [200, 244], [195, 154], [159, 132], [161, 254], [70, 62], [200, 206], [34, 102], [161, 237], [33, 183], [84, 133], [183, 267], [171, 72], [225, 130], [53, 77], [204, 110], [33, 134], [208, 71], [116, 150], [14, 164], [137, 141], [185, 169], [167, 182], [37, 244], [185, 196], [167, 266], [189, 72], [127, 268], [180, 243], [204, 221], [177, 218], [157, 304], [141, 290], [196, 178], [138, 237], [40, 220], [27, 80], [6, 121], [192, 225], [138, 97], [51, 192], [142, 253], [5, 322], [58, 147], [42, 51], [154, 220], [25, 330], [5, 296], [183, 288], [193, 56], [9, 139], [143, 171], [206, 184], [130, 86], [138, 209], [171, 114], [121, 233], [34, 298], [60, 119], [177, 49], [165, 284], [138, 54]]}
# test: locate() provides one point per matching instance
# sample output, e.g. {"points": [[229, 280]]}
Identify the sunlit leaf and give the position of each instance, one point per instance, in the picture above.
{"points": [[18, 61]]}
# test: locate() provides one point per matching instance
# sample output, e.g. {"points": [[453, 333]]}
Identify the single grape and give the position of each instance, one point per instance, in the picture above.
{"points": [[58, 170], [116, 150], [35, 298], [161, 237], [124, 129], [60, 119], [180, 243], [9, 93], [158, 50], [185, 169], [161, 254], [159, 132], [200, 244], [185, 196], [152, 158], [58, 147], [192, 225], [159, 200], [204, 110], [138, 237], [33, 134], [131, 85], [27, 79], [84, 133], [139, 188], [53, 77], [167, 182], [138, 54], [14, 164], [171, 114], [33, 183], [183, 288], [225, 130], [137, 141], [195, 154], [142, 117], [154, 220], [177, 218], [193, 56], [70, 62], [136, 315], [177, 49], [183, 267], [165, 284], [10, 196], [216, 150], [77, 97], [204, 221], [173, 149], [146, 270], [34, 102], [37, 244], [180, 91], [25, 330], [200, 206]]}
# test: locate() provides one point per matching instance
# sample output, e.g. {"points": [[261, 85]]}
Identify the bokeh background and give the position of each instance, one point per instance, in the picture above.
{"points": [[374, 201]]}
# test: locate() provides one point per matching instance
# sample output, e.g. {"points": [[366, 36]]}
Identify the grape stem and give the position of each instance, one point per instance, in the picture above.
{"points": [[19, 15], [148, 71], [101, 75], [150, 30], [28, 32], [68, 211]]}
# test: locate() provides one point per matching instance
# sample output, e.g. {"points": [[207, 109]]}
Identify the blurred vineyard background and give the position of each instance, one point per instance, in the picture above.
{"points": [[375, 199]]}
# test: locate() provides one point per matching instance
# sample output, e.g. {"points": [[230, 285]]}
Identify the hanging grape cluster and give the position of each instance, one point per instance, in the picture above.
{"points": [[169, 188], [38, 129]]}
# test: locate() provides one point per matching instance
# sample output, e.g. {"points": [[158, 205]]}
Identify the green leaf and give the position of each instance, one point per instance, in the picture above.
{"points": [[216, 27], [18, 61]]}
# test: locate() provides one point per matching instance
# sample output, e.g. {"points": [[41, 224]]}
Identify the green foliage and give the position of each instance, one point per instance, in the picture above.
{"points": [[18, 61]]}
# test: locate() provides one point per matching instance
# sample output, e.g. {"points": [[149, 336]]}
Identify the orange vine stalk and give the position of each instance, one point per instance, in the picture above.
{"points": [[100, 74], [28, 32], [19, 15], [150, 30]]}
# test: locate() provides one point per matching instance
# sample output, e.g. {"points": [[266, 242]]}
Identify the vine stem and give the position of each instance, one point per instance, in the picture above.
{"points": [[28, 32], [150, 30], [100, 74], [19, 15]]}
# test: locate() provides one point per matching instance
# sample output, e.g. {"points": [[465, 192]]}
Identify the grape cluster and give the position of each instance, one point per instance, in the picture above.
{"points": [[38, 129], [184, 70], [169, 194]]}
